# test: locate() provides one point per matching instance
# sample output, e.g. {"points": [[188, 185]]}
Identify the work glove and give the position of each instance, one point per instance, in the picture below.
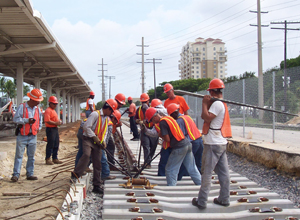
{"points": [[141, 123], [96, 140], [137, 121]]}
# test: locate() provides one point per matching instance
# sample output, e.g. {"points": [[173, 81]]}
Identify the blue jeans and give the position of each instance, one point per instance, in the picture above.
{"points": [[215, 159], [87, 113], [197, 148], [23, 142], [183, 156], [105, 167], [80, 150], [164, 156]]}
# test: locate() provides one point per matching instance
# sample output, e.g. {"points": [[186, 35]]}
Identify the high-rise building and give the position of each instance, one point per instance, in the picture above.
{"points": [[204, 58]]}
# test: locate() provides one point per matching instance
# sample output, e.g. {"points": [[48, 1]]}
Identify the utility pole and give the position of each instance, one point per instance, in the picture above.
{"points": [[259, 50], [143, 72], [285, 43], [110, 77], [103, 85], [154, 73]]}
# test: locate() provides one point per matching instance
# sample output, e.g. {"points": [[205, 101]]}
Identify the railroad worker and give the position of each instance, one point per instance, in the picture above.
{"points": [[90, 105], [157, 103], [120, 99], [131, 113], [96, 132], [216, 129], [148, 143], [172, 98], [181, 148], [51, 121], [29, 119], [191, 132]]}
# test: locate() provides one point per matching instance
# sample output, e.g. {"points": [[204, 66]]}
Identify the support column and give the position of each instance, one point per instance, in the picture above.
{"points": [[78, 109], [69, 108], [49, 89], [37, 82], [19, 83], [57, 91], [73, 109], [64, 107]]}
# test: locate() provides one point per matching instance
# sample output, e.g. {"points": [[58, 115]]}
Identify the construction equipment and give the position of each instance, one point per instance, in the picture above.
{"points": [[6, 114]]}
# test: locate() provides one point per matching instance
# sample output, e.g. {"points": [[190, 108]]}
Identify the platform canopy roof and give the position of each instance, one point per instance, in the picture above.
{"points": [[26, 38]]}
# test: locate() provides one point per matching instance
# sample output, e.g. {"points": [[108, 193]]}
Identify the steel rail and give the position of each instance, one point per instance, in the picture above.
{"points": [[235, 103]]}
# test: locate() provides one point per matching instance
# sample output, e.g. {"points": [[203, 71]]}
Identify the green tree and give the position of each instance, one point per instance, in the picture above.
{"points": [[2, 83], [10, 89], [26, 89], [293, 62]]}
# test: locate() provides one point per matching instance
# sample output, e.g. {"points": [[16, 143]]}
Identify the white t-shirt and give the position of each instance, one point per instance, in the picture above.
{"points": [[215, 136], [91, 102]]}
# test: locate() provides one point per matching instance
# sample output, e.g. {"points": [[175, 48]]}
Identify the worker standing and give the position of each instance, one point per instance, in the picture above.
{"points": [[51, 121], [191, 132], [181, 148], [29, 119], [148, 143], [120, 99], [90, 105], [131, 113], [96, 132], [216, 129], [172, 98]]}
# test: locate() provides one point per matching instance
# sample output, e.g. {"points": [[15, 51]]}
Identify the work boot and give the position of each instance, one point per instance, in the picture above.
{"points": [[57, 161], [32, 178], [49, 162], [98, 190], [88, 170], [109, 177], [14, 179], [113, 168]]}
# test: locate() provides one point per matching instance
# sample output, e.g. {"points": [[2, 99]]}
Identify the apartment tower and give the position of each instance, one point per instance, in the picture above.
{"points": [[204, 58]]}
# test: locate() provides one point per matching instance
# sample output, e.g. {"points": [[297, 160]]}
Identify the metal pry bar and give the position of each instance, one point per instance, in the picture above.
{"points": [[235, 103]]}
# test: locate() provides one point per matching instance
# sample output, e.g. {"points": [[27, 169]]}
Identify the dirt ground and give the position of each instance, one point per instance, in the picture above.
{"points": [[67, 153]]}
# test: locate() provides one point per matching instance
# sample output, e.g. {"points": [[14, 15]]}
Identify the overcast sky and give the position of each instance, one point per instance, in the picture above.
{"points": [[90, 30]]}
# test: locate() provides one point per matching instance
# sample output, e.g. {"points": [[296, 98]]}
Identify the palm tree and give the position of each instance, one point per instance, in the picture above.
{"points": [[2, 83], [10, 89]]}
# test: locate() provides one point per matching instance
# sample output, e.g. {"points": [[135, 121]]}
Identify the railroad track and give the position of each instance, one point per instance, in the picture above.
{"points": [[149, 197]]}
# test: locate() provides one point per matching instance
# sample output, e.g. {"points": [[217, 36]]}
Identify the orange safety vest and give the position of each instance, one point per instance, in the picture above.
{"points": [[141, 117], [87, 105], [174, 127], [165, 144], [100, 129], [191, 127], [25, 130], [226, 127]]}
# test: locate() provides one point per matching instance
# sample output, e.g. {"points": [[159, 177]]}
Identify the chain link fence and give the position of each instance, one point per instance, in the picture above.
{"points": [[287, 99]]}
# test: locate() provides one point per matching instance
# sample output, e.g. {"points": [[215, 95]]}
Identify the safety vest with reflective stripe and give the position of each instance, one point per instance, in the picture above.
{"points": [[165, 144], [174, 127], [87, 105], [25, 130], [226, 127], [191, 127], [100, 130], [141, 117]]}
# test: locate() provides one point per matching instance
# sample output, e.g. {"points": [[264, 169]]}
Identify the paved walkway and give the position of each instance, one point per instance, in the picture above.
{"points": [[285, 140]]}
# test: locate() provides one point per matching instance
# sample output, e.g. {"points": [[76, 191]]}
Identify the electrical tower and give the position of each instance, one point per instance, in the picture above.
{"points": [[103, 85]]}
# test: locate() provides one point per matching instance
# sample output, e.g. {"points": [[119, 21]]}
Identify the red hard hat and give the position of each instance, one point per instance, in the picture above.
{"points": [[129, 98], [216, 84], [155, 102], [172, 108], [112, 103], [120, 97], [35, 95], [117, 115], [167, 87], [150, 112], [144, 97], [92, 93], [53, 99]]}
